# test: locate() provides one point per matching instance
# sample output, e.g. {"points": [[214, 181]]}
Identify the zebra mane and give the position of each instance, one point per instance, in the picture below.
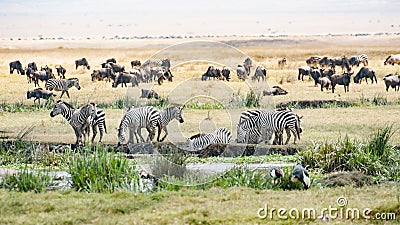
{"points": [[72, 78], [197, 135], [67, 104]]}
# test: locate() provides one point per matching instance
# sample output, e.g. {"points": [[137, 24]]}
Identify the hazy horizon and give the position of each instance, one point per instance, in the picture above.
{"points": [[84, 18]]}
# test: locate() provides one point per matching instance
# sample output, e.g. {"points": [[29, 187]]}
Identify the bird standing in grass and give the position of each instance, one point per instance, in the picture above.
{"points": [[276, 173], [301, 174]]}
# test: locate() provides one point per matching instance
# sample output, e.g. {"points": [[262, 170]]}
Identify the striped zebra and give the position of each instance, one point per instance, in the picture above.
{"points": [[77, 118], [165, 62], [200, 141], [167, 115], [270, 122], [356, 60], [98, 119], [137, 118], [62, 85]]}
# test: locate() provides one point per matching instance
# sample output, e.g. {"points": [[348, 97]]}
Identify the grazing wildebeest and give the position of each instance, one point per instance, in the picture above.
{"points": [[343, 62], [241, 72], [325, 82], [46, 68], [392, 59], [260, 72], [116, 68], [211, 72], [29, 74], [111, 60], [226, 73], [248, 63], [124, 78], [282, 62], [167, 75], [42, 76], [61, 71], [16, 65], [275, 90], [39, 93], [103, 73], [392, 81], [303, 71], [367, 73], [33, 66], [149, 94], [325, 62], [82, 62], [327, 73], [313, 60], [341, 79], [136, 63], [315, 74]]}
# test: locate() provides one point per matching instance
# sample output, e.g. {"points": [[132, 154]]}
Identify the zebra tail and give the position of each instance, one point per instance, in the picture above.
{"points": [[298, 131], [105, 127], [159, 130]]}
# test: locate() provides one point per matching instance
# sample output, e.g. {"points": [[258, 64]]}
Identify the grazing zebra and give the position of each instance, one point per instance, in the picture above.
{"points": [[137, 118], [200, 141], [165, 62], [77, 118], [268, 122], [98, 119], [167, 115], [356, 60], [261, 72], [62, 85]]}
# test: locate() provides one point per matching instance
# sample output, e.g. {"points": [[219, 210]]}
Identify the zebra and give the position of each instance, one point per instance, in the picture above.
{"points": [[98, 120], [77, 118], [200, 141], [356, 60], [136, 118], [267, 122], [165, 62], [62, 85], [167, 115]]}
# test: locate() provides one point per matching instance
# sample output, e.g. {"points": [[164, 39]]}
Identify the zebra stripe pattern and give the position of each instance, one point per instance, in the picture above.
{"points": [[62, 85], [356, 60], [201, 141], [167, 115], [136, 118], [98, 120], [165, 62]]}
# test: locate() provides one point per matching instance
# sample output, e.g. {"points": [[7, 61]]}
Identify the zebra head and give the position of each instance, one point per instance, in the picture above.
{"points": [[58, 108], [75, 82], [178, 114]]}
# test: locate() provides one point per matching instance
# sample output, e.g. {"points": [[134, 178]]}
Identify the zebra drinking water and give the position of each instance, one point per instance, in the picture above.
{"points": [[137, 118], [62, 85], [167, 115], [201, 141]]}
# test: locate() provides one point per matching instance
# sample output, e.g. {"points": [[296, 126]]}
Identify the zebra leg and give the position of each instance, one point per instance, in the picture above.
{"points": [[165, 135], [94, 128], [139, 133], [66, 92], [131, 133]]}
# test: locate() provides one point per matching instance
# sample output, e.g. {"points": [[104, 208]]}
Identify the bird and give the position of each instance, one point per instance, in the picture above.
{"points": [[276, 173], [301, 174]]}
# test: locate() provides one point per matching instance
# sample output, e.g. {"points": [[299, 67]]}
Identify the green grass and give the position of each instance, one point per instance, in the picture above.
{"points": [[25, 180]]}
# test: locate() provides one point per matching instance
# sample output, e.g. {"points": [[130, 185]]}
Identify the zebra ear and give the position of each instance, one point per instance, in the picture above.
{"points": [[300, 117]]}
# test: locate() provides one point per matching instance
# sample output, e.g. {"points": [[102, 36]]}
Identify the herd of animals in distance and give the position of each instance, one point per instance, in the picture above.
{"points": [[254, 127]]}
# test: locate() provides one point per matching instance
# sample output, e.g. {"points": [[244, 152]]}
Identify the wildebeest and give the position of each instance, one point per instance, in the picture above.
{"points": [[61, 71], [343, 62], [356, 60], [241, 72], [16, 65], [39, 93], [260, 72], [275, 90], [111, 60], [167, 75], [124, 78], [136, 63], [248, 63], [116, 67], [103, 73], [32, 65], [367, 73], [325, 82], [327, 73], [149, 94], [211, 72], [392, 81], [303, 71], [225, 72], [313, 60], [282, 62], [315, 74], [325, 62], [341, 79], [42, 76], [392, 59], [82, 62]]}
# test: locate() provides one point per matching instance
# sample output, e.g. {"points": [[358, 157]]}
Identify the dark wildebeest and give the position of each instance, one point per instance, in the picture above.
{"points": [[275, 90], [313, 60], [260, 72], [124, 78], [282, 62], [111, 60], [327, 73], [149, 94], [29, 74], [33, 66], [82, 62], [42, 76], [39, 93], [211, 72], [226, 73], [16, 65], [315, 74], [392, 81], [343, 62], [116, 67], [366, 73], [61, 71], [248, 63], [103, 73], [325, 82], [325, 62], [341, 79], [167, 75], [136, 63], [303, 71], [242, 72], [392, 59]]}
